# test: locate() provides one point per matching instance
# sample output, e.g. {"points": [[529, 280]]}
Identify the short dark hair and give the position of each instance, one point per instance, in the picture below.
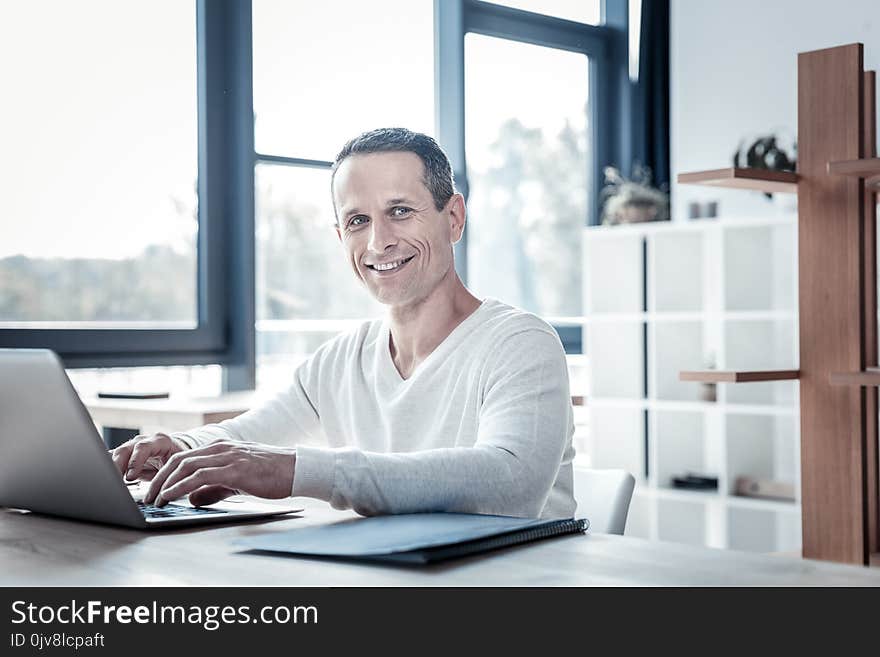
{"points": [[438, 172]]}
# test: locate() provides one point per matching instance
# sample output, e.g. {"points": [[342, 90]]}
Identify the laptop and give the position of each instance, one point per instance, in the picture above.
{"points": [[53, 460]]}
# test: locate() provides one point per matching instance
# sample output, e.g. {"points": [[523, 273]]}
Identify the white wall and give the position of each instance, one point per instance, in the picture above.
{"points": [[733, 73]]}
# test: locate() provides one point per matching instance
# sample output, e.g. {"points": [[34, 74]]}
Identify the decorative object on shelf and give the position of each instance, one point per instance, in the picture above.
{"points": [[707, 210], [632, 201], [764, 488], [692, 481], [774, 152]]}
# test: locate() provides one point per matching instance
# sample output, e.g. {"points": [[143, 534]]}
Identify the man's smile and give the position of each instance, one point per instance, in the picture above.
{"points": [[385, 268]]}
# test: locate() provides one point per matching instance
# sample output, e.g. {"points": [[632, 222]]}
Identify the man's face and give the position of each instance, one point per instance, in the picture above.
{"points": [[396, 240]]}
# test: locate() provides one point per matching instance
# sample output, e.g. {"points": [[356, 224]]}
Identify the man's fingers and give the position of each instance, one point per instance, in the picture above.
{"points": [[192, 463], [173, 463], [143, 450], [210, 494], [202, 477], [160, 477], [122, 454]]}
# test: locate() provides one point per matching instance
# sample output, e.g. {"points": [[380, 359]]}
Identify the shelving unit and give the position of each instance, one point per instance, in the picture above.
{"points": [[837, 297], [674, 301]]}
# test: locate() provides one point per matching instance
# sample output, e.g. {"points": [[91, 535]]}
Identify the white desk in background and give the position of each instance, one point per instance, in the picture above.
{"points": [[173, 414]]}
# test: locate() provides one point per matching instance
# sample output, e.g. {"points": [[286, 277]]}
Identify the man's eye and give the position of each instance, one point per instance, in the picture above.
{"points": [[400, 211], [359, 220]]}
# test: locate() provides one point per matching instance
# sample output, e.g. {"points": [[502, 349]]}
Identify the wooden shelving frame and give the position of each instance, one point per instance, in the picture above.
{"points": [[836, 183], [869, 377], [717, 376], [738, 178], [861, 168]]}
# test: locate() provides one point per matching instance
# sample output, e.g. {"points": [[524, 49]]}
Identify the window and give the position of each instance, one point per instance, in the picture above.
{"points": [[111, 253], [528, 164], [327, 71], [544, 107], [99, 164], [306, 291], [170, 205], [318, 82]]}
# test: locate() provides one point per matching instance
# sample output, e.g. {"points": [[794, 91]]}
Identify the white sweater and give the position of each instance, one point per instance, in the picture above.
{"points": [[483, 424]]}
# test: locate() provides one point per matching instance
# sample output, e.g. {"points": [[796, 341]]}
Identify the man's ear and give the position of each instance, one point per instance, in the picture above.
{"points": [[457, 216]]}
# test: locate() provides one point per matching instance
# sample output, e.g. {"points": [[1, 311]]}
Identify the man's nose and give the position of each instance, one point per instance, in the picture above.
{"points": [[381, 236]]}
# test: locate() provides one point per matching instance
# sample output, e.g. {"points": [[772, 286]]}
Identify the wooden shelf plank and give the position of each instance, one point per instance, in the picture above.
{"points": [[761, 180], [716, 376], [869, 377], [863, 168]]}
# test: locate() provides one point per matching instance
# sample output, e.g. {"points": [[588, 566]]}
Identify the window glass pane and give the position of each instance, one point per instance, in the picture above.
{"points": [[302, 269], [99, 162], [327, 71], [582, 11], [306, 288], [528, 168]]}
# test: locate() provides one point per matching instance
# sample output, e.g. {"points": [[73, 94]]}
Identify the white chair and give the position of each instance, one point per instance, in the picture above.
{"points": [[603, 498]]}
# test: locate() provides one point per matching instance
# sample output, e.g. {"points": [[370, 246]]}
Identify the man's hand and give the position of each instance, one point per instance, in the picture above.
{"points": [[142, 456], [211, 473]]}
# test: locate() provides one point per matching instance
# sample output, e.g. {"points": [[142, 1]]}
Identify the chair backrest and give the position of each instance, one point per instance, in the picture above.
{"points": [[603, 497]]}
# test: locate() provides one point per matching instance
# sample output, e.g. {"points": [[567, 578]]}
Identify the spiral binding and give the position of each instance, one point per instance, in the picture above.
{"points": [[570, 526]]}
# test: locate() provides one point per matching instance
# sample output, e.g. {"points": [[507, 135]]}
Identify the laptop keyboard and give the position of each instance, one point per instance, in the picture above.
{"points": [[173, 510]]}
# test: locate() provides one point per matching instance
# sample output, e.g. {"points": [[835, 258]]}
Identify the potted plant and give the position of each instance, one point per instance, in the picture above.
{"points": [[628, 201]]}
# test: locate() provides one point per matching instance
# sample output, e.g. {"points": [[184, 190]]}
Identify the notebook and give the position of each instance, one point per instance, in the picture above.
{"points": [[418, 538]]}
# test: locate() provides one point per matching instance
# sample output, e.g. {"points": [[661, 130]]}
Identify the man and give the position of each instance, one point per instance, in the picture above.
{"points": [[448, 404]]}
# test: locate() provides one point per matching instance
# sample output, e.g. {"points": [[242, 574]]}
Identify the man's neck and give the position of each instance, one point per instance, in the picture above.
{"points": [[417, 329]]}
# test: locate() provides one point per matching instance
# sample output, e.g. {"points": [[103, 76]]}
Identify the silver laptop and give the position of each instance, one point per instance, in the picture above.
{"points": [[52, 459]]}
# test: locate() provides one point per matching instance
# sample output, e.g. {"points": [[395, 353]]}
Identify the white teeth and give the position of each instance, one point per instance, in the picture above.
{"points": [[389, 265]]}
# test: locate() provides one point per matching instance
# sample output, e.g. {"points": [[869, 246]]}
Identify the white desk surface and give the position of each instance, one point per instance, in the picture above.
{"points": [[234, 401], [43, 551]]}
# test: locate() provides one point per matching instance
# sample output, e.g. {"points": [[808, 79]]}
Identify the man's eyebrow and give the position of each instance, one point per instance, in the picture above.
{"points": [[398, 201]]}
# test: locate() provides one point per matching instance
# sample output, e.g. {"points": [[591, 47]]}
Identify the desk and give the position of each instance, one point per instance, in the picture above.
{"points": [[174, 414], [43, 551]]}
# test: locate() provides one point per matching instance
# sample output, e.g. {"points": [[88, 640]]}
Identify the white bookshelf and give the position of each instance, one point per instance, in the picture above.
{"points": [[660, 298]]}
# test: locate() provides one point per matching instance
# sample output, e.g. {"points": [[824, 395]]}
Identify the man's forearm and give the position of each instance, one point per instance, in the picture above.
{"points": [[480, 479]]}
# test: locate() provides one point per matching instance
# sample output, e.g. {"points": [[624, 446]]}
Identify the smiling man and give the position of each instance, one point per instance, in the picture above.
{"points": [[450, 403]]}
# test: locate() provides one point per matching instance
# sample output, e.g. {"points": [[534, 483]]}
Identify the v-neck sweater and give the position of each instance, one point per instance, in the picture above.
{"points": [[482, 425]]}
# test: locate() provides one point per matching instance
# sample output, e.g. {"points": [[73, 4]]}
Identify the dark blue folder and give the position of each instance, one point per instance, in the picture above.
{"points": [[414, 537]]}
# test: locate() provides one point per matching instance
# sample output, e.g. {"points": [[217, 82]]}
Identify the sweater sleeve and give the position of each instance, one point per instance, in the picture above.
{"points": [[289, 418], [525, 425]]}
